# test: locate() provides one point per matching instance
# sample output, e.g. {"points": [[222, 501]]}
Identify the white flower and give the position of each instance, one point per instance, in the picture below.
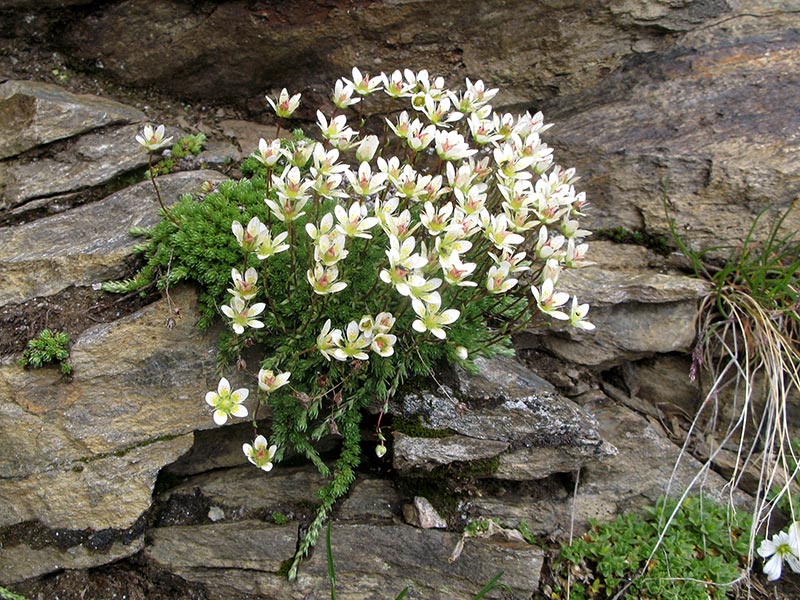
{"points": [[226, 403], [353, 344], [328, 341], [549, 301], [268, 154], [577, 315], [269, 381], [343, 95], [249, 238], [285, 106], [244, 287], [362, 84], [430, 319], [450, 145], [268, 245], [259, 454], [367, 148], [383, 344], [323, 279], [354, 222], [243, 316], [153, 140], [782, 547]]}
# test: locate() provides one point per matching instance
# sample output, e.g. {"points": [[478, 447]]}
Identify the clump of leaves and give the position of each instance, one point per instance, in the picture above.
{"points": [[189, 145], [698, 556], [325, 246], [46, 348]]}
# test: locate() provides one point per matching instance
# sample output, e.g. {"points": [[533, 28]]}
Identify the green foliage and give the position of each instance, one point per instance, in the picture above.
{"points": [[7, 594], [279, 518], [766, 270], [48, 347], [472, 243], [701, 553], [638, 237], [189, 145]]}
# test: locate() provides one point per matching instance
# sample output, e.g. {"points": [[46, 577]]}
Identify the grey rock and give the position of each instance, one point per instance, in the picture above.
{"points": [[134, 401], [247, 134], [246, 492], [419, 455], [371, 500], [369, 559], [250, 49], [107, 492], [679, 126], [623, 332], [20, 562], [33, 113], [421, 514], [638, 475], [512, 413], [95, 159], [44, 257], [637, 311]]}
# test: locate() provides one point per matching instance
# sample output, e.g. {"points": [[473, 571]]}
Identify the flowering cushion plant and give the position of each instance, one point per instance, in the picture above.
{"points": [[356, 256]]}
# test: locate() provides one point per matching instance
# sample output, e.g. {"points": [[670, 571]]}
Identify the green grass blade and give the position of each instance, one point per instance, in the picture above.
{"points": [[331, 570], [489, 586], [402, 594]]}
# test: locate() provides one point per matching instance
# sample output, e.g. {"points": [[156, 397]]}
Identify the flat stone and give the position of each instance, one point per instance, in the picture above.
{"points": [[503, 404], [418, 455], [33, 113], [246, 491], [639, 305], [372, 500], [637, 476], [108, 492], [682, 127], [46, 256], [21, 562], [624, 332], [370, 561], [95, 159], [421, 514], [247, 134]]}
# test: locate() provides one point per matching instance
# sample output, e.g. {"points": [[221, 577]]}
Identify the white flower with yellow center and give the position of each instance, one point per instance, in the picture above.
{"points": [[227, 403]]}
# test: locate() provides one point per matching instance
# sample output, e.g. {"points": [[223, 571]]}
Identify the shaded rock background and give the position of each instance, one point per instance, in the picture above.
{"points": [[691, 104]]}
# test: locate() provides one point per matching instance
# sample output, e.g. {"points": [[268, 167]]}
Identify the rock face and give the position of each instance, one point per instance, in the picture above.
{"points": [[403, 556], [502, 413], [691, 104], [249, 48], [682, 129], [34, 114], [638, 312], [103, 251]]}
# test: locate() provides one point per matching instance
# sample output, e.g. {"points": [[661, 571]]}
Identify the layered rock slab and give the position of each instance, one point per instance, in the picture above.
{"points": [[34, 113], [705, 130], [503, 413], [639, 307], [46, 256]]}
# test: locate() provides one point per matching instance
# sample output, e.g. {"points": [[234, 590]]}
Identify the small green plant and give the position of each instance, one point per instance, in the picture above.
{"points": [[189, 145], [279, 518], [698, 556], [46, 348], [7, 594], [747, 343], [354, 262]]}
